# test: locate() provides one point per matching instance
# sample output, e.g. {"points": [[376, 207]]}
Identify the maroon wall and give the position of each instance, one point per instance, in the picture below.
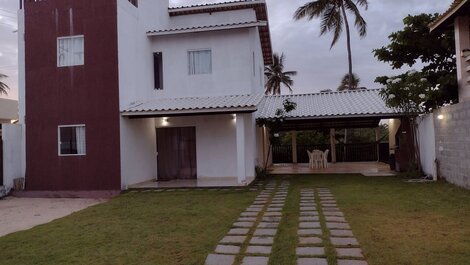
{"points": [[85, 94]]}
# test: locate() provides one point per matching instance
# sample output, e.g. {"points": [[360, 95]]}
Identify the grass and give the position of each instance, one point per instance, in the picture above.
{"points": [[395, 222], [135, 228]]}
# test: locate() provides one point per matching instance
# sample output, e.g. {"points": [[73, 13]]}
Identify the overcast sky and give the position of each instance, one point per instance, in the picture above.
{"points": [[306, 52]]}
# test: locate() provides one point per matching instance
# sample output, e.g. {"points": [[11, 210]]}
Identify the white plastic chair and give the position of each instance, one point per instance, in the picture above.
{"points": [[325, 158]]}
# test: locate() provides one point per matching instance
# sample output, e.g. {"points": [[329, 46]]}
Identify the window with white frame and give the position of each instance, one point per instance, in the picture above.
{"points": [[200, 62], [70, 51], [72, 140]]}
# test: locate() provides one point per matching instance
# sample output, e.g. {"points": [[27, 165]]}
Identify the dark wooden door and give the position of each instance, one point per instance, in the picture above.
{"points": [[176, 149]]}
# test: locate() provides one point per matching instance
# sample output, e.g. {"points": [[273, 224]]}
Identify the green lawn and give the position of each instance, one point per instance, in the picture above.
{"points": [[395, 223]]}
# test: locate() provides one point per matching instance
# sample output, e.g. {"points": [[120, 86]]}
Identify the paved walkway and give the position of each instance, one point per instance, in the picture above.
{"points": [[312, 239], [250, 240]]}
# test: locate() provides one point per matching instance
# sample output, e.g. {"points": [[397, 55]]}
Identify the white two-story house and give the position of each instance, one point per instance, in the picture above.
{"points": [[119, 92]]}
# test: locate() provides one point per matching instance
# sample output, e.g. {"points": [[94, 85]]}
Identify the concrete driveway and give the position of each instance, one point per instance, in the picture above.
{"points": [[18, 214]]}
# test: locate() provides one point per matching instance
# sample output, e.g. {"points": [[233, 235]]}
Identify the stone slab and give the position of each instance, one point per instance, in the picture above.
{"points": [[309, 225], [312, 261], [227, 249], [271, 219], [233, 239], [273, 209], [265, 232], [310, 240], [279, 205], [337, 225], [255, 261], [308, 208], [310, 251], [238, 231], [309, 232], [335, 219], [341, 232], [309, 213], [273, 214], [308, 218], [243, 224], [259, 250], [268, 225], [254, 209], [246, 219], [330, 209], [351, 262], [332, 213], [248, 214], [349, 252], [344, 241], [262, 240], [218, 259]]}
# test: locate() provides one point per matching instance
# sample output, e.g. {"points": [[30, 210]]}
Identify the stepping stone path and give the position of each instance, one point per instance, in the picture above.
{"points": [[341, 237], [310, 248], [250, 240]]}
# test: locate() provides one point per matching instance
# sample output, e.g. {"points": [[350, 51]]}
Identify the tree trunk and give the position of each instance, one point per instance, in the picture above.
{"points": [[348, 39]]}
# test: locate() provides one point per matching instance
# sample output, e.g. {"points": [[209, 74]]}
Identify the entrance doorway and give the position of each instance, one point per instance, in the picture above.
{"points": [[176, 149]]}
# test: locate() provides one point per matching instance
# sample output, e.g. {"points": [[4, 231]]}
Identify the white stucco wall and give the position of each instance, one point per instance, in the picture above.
{"points": [[216, 18], [12, 136], [21, 89], [232, 64], [215, 143], [427, 143], [138, 151]]}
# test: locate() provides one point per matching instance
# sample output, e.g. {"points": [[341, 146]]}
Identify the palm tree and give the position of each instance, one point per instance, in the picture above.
{"points": [[276, 76], [346, 85], [3, 86], [334, 18]]}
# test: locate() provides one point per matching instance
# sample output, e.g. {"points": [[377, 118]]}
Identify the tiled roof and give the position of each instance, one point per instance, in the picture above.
{"points": [[191, 105], [206, 28], [356, 103], [454, 7]]}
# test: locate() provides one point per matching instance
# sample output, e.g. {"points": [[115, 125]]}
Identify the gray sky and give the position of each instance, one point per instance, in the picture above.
{"points": [[318, 67]]}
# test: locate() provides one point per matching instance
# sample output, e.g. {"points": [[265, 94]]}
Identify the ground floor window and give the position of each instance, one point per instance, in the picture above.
{"points": [[72, 140]]}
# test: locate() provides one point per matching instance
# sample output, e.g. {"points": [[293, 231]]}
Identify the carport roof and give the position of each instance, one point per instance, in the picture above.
{"points": [[363, 103]]}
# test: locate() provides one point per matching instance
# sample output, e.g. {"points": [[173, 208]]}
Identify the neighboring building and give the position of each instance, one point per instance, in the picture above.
{"points": [[8, 110], [117, 92], [452, 123]]}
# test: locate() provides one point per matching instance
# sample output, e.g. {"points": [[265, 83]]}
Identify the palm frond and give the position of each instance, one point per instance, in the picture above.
{"points": [[311, 9], [276, 76], [360, 23], [3, 87]]}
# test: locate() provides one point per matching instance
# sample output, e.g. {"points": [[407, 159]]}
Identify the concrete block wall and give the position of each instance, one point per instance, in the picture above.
{"points": [[452, 132]]}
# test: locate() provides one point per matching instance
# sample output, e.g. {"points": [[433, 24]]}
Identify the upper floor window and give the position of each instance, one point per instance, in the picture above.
{"points": [[158, 70], [134, 2], [70, 51], [200, 62], [72, 140]]}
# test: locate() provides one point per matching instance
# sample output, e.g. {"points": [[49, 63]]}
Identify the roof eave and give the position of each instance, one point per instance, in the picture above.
{"points": [[186, 112], [444, 21], [175, 11], [207, 29]]}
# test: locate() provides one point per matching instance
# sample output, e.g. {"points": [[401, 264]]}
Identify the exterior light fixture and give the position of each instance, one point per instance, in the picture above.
{"points": [[234, 117], [440, 117], [165, 121]]}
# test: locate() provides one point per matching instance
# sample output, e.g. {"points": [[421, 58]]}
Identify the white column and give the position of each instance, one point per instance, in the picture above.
{"points": [[240, 135], [294, 147], [462, 41]]}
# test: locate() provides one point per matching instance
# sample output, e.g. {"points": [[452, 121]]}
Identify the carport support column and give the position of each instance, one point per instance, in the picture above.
{"points": [[240, 136], [377, 137], [333, 145], [294, 146]]}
